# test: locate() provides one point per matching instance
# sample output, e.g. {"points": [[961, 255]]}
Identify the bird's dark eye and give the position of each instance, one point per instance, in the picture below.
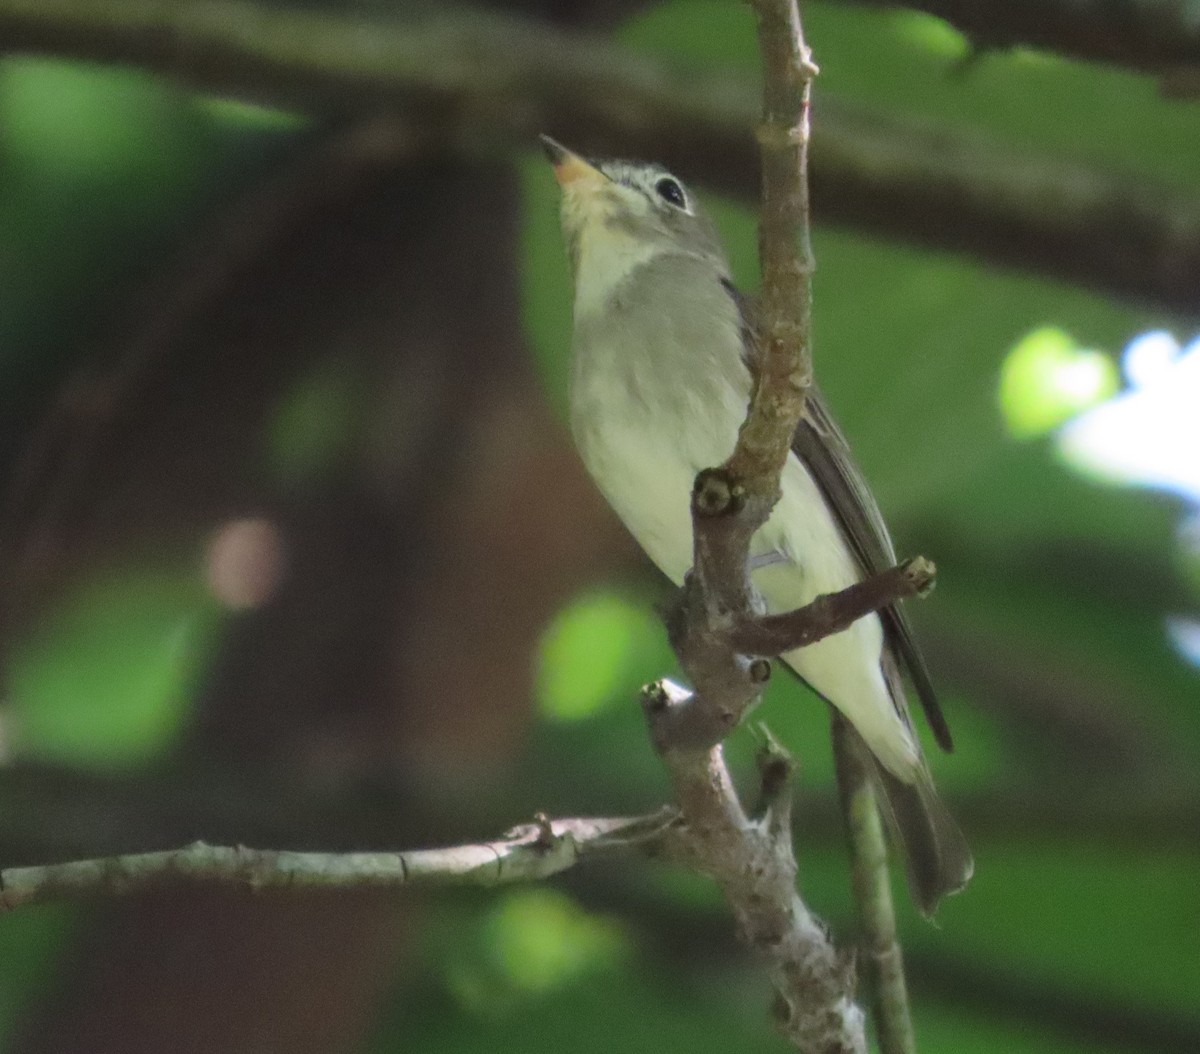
{"points": [[670, 191]]}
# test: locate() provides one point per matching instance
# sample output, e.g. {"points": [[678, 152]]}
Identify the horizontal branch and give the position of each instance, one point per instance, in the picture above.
{"points": [[1150, 36], [82, 815], [470, 82], [533, 851]]}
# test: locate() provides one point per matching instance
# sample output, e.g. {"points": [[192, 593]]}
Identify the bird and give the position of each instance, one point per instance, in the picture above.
{"points": [[663, 355]]}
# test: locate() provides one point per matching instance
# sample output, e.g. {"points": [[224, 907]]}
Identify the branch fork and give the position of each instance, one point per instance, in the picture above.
{"points": [[724, 640], [719, 628]]}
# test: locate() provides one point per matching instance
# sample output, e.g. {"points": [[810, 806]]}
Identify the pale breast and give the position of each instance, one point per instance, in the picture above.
{"points": [[656, 397]]}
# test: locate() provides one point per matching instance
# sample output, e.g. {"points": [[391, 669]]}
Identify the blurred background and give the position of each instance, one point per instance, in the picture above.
{"points": [[295, 552]]}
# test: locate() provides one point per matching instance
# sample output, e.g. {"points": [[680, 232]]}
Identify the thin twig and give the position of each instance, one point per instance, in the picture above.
{"points": [[772, 635], [873, 890], [84, 814], [533, 851], [471, 81], [785, 254]]}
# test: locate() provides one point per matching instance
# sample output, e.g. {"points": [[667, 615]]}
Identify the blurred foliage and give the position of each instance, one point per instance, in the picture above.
{"points": [[313, 425], [1047, 379], [934, 364], [102, 170], [33, 942], [528, 944], [590, 652], [105, 683]]}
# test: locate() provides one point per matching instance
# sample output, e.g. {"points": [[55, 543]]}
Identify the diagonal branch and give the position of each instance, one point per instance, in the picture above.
{"points": [[469, 81], [772, 635], [753, 862]]}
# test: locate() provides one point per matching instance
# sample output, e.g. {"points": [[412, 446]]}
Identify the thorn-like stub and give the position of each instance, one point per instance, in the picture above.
{"points": [[545, 830], [714, 494], [781, 1012], [769, 745], [774, 776], [760, 671], [654, 697], [922, 574], [775, 765], [847, 969]]}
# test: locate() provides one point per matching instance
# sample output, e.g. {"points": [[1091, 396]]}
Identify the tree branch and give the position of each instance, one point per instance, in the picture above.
{"points": [[60, 814], [533, 851], [753, 860], [470, 81], [754, 864], [773, 635], [873, 890]]}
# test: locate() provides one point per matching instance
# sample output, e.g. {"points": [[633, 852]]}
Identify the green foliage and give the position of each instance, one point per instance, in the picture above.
{"points": [[69, 124], [1081, 918], [33, 942], [95, 163], [104, 682], [912, 63], [537, 971], [590, 653], [528, 945], [313, 427], [1047, 379]]}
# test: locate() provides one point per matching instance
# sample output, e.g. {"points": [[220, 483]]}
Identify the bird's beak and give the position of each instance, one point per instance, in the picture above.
{"points": [[569, 167]]}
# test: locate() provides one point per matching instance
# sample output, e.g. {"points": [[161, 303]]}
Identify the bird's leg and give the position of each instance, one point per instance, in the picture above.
{"points": [[767, 559]]}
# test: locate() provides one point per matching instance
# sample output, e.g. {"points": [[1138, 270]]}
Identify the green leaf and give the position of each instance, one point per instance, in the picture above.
{"points": [[104, 681]]}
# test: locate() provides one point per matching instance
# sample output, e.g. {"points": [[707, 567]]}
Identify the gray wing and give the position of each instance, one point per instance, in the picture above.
{"points": [[819, 443]]}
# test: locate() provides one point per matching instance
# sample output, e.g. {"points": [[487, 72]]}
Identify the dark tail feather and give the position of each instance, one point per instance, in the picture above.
{"points": [[936, 854]]}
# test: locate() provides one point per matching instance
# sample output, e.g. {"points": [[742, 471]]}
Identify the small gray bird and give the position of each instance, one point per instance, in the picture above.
{"points": [[663, 352]]}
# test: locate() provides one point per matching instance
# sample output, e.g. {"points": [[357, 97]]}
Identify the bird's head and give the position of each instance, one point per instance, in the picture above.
{"points": [[619, 214]]}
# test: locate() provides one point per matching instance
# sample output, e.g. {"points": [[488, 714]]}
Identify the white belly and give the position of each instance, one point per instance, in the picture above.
{"points": [[656, 396], [646, 469]]}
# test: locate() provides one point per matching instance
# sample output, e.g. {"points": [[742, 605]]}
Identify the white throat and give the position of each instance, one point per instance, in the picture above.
{"points": [[606, 258]]}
